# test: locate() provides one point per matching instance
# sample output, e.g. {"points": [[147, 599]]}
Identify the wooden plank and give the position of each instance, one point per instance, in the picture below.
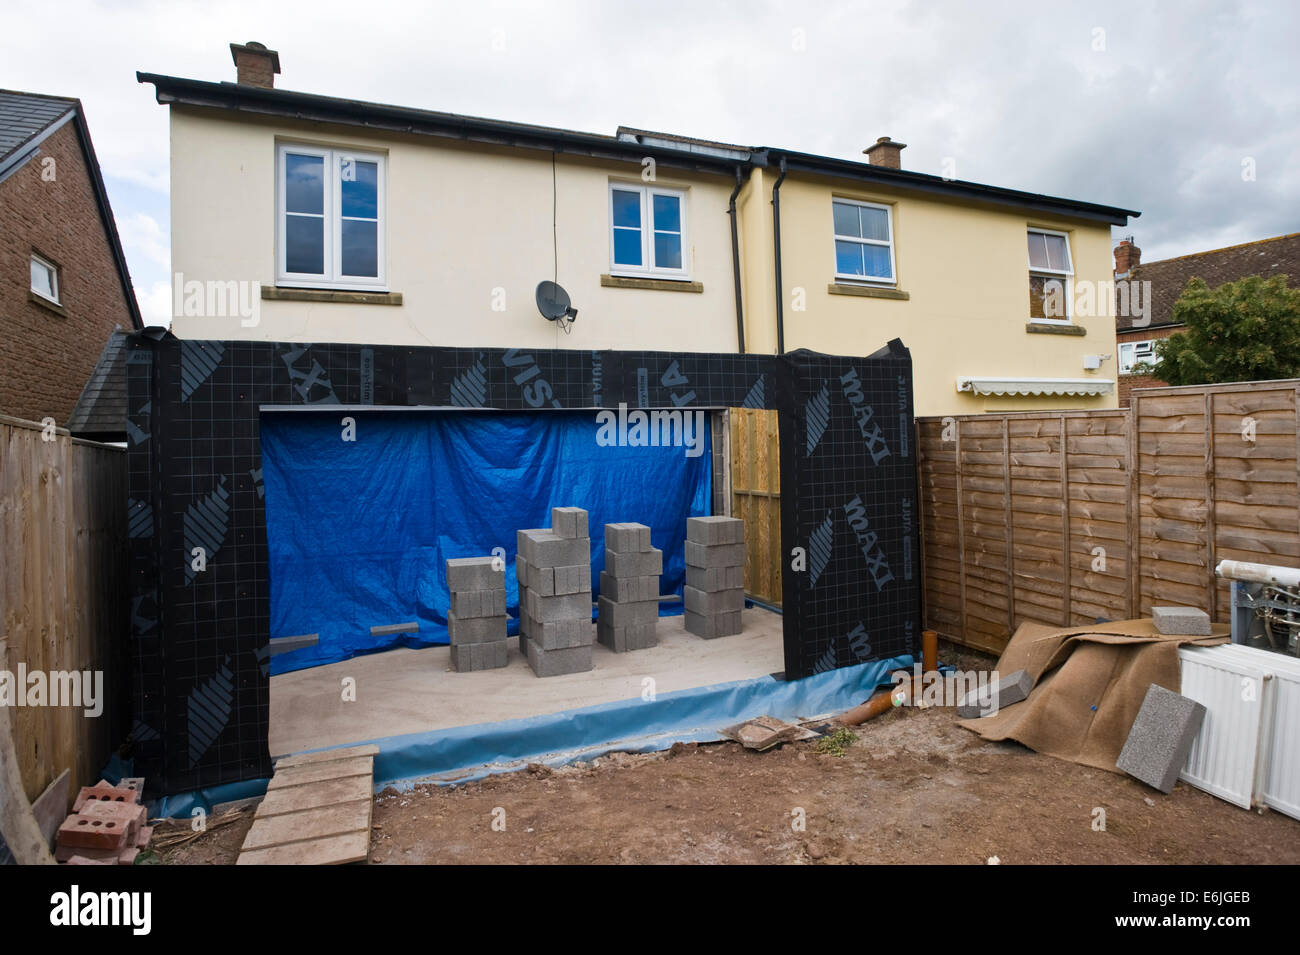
{"points": [[297, 798], [326, 755], [961, 528], [1134, 517], [1067, 594], [333, 850], [1009, 532], [335, 820], [1210, 514], [321, 772]]}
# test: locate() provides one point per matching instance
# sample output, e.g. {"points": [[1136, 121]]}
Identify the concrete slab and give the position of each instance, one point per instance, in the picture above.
{"points": [[1162, 736], [412, 691]]}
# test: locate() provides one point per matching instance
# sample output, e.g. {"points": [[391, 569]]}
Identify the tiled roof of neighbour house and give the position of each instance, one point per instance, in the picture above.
{"points": [[627, 145], [26, 120], [100, 412], [1168, 277], [25, 116]]}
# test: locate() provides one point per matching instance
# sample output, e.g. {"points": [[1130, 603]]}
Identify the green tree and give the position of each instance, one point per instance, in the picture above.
{"points": [[1248, 330]]}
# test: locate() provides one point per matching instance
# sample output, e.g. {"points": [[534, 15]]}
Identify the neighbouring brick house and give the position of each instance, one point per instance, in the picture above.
{"points": [[1168, 277], [64, 285]]}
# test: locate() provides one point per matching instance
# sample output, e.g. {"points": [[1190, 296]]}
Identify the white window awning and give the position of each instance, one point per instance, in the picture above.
{"points": [[1035, 386]]}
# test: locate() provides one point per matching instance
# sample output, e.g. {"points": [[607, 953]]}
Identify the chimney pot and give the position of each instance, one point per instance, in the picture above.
{"points": [[1127, 257], [255, 65], [885, 152]]}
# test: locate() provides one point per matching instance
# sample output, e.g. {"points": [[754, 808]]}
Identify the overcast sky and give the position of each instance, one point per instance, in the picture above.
{"points": [[1157, 107]]}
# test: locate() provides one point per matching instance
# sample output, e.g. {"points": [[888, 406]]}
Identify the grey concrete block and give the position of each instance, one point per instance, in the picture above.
{"points": [[479, 656], [475, 573], [645, 563], [478, 603], [523, 643], [713, 625], [620, 614], [475, 629], [560, 607], [714, 555], [1181, 621], [640, 636], [1161, 738], [558, 662], [629, 588], [627, 538], [715, 530], [705, 602], [561, 634], [552, 550], [572, 580], [1009, 689], [541, 580], [710, 579], [569, 521]]}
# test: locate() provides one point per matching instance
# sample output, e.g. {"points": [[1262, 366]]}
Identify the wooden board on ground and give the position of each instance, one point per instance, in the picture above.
{"points": [[316, 811]]}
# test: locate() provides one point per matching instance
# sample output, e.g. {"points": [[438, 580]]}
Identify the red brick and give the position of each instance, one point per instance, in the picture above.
{"points": [[87, 832], [129, 814], [104, 791]]}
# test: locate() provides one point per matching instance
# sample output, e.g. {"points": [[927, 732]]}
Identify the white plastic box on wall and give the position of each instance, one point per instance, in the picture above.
{"points": [[1248, 749]]}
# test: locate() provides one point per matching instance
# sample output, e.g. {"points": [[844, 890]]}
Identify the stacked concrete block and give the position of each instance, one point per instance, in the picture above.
{"points": [[554, 570], [476, 623], [629, 589], [715, 576]]}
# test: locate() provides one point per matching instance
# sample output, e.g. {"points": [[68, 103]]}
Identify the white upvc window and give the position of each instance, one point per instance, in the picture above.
{"points": [[647, 232], [1132, 354], [1051, 277], [45, 278], [864, 242], [330, 221]]}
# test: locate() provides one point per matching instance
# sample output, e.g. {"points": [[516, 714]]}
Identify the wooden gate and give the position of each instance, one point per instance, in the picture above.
{"points": [[756, 498]]}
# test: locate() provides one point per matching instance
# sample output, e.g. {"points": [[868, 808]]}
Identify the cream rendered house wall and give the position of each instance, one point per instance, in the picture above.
{"points": [[463, 222], [965, 268]]}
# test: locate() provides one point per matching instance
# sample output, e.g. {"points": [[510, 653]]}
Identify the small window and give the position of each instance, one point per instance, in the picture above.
{"points": [[1132, 354], [864, 241], [647, 231], [331, 229], [45, 279], [1050, 273]]}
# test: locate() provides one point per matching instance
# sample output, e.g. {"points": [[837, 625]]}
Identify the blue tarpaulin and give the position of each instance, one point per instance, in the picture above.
{"points": [[358, 530]]}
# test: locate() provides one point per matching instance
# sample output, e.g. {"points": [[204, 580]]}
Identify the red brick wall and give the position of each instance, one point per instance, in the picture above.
{"points": [[46, 357], [1127, 383]]}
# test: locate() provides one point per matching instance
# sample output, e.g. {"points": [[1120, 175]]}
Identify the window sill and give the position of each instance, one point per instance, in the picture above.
{"points": [[275, 293], [662, 285], [1044, 328], [867, 291], [44, 302]]}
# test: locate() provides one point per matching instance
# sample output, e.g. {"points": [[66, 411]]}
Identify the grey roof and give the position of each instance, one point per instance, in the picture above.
{"points": [[101, 409], [25, 115]]}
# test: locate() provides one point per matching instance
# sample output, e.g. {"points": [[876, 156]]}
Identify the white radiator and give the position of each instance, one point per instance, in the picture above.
{"points": [[1248, 749]]}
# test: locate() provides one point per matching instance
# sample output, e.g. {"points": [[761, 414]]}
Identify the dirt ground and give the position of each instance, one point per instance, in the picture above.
{"points": [[913, 788]]}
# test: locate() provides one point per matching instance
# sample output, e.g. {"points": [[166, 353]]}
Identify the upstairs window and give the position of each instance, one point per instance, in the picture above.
{"points": [[1132, 354], [864, 241], [45, 278], [1050, 272], [331, 220], [647, 231]]}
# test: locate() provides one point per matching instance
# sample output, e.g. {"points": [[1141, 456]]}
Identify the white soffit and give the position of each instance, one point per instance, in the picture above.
{"points": [[1036, 386]]}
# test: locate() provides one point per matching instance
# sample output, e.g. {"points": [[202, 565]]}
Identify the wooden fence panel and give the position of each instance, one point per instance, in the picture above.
{"points": [[1066, 517], [63, 592], [756, 498]]}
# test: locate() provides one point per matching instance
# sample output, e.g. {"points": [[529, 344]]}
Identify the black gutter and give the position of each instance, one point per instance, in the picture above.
{"points": [[309, 107], [735, 262], [776, 245], [925, 183]]}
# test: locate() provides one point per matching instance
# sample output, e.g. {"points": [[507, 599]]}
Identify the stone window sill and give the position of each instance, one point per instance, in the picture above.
{"points": [[661, 285], [1042, 328], [867, 291], [44, 302], [276, 293]]}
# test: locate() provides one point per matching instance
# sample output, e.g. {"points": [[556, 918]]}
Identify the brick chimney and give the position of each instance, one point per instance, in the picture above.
{"points": [[885, 152], [255, 65], [1127, 257]]}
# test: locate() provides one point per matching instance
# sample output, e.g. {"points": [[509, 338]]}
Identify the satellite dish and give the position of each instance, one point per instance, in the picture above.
{"points": [[553, 302]]}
